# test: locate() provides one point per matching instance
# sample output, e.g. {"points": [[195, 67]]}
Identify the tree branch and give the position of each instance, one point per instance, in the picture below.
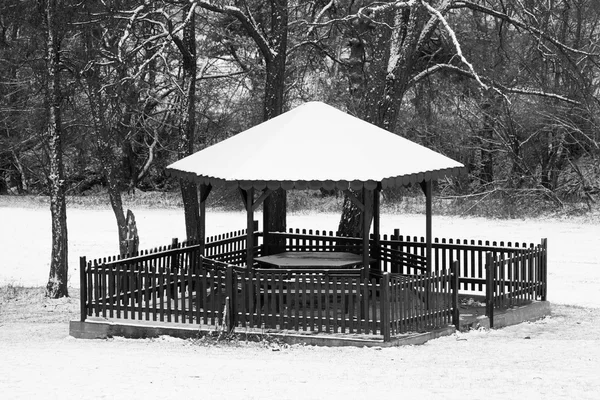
{"points": [[520, 24], [319, 15], [127, 31], [504, 89], [247, 22], [455, 41]]}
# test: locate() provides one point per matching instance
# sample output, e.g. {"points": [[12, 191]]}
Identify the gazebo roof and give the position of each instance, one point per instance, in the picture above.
{"points": [[313, 146]]}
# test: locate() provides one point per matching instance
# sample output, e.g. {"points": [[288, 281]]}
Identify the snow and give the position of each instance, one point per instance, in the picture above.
{"points": [[555, 358]]}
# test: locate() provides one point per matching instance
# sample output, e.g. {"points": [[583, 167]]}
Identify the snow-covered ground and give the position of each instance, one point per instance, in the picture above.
{"points": [[555, 358], [25, 237]]}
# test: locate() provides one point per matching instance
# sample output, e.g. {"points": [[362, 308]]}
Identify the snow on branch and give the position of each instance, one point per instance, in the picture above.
{"points": [[247, 22], [127, 30], [494, 85], [432, 24], [320, 15], [375, 8], [455, 42]]}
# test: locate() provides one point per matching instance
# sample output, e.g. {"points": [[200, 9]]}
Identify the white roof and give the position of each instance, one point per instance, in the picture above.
{"points": [[312, 146]]}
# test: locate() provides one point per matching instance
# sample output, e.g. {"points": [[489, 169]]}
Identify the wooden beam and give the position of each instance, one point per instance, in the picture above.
{"points": [[205, 191], [244, 197], [355, 200], [261, 198]]}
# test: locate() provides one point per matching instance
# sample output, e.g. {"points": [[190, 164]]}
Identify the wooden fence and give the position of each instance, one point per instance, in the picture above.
{"points": [[230, 247], [422, 302], [177, 283], [406, 254], [471, 256], [330, 301], [515, 280]]}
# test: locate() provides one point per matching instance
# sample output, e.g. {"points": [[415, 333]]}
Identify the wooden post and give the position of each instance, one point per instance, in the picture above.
{"points": [[426, 187], [230, 291], [174, 245], [454, 290], [385, 307], [544, 268], [249, 227], [489, 287], [376, 254], [396, 267], [82, 288], [255, 229], [204, 192], [267, 242], [367, 216]]}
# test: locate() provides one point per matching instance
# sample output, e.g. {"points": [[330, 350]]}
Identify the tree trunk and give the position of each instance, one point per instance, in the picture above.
{"points": [[382, 61], [351, 219], [57, 280], [275, 206], [187, 126], [126, 226]]}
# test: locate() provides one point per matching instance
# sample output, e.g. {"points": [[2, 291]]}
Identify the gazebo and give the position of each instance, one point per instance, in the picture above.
{"points": [[316, 146], [218, 282]]}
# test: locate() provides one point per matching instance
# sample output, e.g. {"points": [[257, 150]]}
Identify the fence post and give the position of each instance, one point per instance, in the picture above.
{"points": [[82, 288], [489, 287], [385, 307], [174, 245], [544, 268], [395, 267], [229, 293], [454, 289], [256, 250]]}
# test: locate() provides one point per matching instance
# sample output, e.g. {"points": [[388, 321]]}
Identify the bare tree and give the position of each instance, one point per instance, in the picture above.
{"points": [[394, 45], [57, 280]]}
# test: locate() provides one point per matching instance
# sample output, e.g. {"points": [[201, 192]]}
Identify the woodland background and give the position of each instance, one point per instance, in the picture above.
{"points": [[100, 95]]}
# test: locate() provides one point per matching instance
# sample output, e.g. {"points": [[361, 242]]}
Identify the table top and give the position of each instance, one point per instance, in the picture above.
{"points": [[311, 259]]}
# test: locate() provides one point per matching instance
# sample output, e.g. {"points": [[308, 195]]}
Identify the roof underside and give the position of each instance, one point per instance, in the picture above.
{"points": [[315, 146]]}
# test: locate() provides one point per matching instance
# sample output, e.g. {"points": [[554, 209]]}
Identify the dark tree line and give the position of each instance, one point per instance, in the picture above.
{"points": [[105, 94]]}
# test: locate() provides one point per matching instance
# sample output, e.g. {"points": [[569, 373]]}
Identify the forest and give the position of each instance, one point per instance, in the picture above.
{"points": [[103, 94]]}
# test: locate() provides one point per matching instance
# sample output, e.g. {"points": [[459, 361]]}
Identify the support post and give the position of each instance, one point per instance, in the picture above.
{"points": [[426, 187], [267, 242], [82, 288], [376, 254], [249, 197], [204, 192], [367, 216]]}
